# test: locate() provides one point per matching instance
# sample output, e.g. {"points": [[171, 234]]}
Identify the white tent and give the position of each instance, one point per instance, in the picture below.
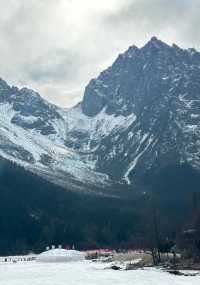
{"points": [[60, 255]]}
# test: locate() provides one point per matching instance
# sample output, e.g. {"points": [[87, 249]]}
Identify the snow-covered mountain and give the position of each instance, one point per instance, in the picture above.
{"points": [[33, 134], [139, 115], [142, 113]]}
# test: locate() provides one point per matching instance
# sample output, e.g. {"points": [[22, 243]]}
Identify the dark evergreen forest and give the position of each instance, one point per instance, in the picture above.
{"points": [[35, 213]]}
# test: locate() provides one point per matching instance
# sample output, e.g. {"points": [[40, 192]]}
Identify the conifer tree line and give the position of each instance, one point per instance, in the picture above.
{"points": [[35, 213]]}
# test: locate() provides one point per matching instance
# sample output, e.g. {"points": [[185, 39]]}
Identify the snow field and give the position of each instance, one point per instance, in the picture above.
{"points": [[80, 273]]}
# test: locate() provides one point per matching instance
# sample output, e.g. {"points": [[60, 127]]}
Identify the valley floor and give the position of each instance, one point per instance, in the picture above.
{"points": [[33, 273]]}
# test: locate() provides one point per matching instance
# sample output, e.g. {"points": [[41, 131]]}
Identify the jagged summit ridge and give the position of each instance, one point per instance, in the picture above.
{"points": [[159, 84], [122, 79]]}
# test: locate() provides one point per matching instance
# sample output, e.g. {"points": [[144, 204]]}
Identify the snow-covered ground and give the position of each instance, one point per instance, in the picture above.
{"points": [[80, 273]]}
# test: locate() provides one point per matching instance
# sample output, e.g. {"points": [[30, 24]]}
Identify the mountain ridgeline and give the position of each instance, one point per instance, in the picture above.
{"points": [[143, 112], [135, 138], [158, 88]]}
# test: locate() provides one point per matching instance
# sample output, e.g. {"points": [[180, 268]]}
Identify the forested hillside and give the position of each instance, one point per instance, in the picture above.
{"points": [[35, 213]]}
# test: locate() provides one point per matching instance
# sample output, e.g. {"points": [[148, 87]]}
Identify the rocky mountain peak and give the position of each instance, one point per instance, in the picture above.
{"points": [[29, 109], [154, 42], [158, 84], [119, 88]]}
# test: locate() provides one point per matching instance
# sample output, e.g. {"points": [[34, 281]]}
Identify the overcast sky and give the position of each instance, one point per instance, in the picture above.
{"points": [[56, 46]]}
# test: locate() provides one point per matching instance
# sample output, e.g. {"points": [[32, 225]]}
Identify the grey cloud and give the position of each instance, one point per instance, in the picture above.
{"points": [[175, 20], [151, 12], [55, 66]]}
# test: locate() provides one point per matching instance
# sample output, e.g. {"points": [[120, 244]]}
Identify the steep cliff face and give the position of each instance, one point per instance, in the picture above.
{"points": [[152, 95]]}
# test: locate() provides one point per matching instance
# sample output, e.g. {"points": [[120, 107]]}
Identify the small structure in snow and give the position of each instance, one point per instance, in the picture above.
{"points": [[60, 255]]}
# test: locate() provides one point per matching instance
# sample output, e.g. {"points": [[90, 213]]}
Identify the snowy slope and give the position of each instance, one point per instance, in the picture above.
{"points": [[43, 153]]}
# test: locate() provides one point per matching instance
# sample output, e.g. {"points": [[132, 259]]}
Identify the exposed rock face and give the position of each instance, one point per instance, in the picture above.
{"points": [[159, 86], [32, 112]]}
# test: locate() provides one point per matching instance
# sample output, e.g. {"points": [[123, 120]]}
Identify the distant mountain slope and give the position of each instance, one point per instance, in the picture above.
{"points": [[33, 134], [149, 99]]}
